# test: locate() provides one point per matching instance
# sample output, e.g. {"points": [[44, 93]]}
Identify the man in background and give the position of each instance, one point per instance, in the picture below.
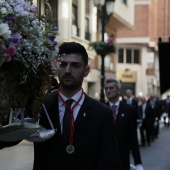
{"points": [[131, 100], [124, 116]]}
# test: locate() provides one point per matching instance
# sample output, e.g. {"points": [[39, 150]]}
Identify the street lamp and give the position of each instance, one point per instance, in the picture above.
{"points": [[105, 9]]}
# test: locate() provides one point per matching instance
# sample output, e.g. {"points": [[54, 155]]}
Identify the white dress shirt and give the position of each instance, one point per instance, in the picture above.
{"points": [[143, 111], [117, 104], [76, 108]]}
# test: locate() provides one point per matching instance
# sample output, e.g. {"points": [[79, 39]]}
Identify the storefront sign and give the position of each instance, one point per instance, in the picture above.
{"points": [[126, 76]]}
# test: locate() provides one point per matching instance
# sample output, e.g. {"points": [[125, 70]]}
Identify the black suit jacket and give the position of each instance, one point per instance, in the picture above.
{"points": [[149, 116], [155, 111], [165, 107], [135, 104], [127, 139], [94, 139]]}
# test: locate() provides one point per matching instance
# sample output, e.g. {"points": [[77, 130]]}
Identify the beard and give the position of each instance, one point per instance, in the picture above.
{"points": [[71, 83]]}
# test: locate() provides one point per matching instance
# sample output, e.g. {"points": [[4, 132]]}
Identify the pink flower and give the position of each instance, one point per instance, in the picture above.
{"points": [[25, 29], [7, 58], [11, 50], [31, 36], [110, 40]]}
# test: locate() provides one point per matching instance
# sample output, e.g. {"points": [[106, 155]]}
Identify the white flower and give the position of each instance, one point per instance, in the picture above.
{"points": [[3, 10], [17, 9], [4, 31], [2, 2]]}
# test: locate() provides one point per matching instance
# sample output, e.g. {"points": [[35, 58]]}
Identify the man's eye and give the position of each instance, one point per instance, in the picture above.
{"points": [[75, 65], [109, 88], [63, 64]]}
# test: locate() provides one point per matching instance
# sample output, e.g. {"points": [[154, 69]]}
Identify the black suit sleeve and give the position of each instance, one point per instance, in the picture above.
{"points": [[133, 136], [110, 157]]}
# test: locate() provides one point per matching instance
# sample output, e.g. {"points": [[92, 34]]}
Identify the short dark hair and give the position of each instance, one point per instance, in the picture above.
{"points": [[73, 47], [112, 80]]}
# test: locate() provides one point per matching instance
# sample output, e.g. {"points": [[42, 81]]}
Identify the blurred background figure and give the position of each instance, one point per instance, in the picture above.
{"points": [[131, 100], [146, 123], [153, 108], [165, 106]]}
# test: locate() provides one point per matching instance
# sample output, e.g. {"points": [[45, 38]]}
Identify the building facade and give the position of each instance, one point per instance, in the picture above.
{"points": [[138, 48], [78, 20]]}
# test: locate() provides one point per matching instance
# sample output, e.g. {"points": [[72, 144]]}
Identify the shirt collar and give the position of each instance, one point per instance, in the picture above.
{"points": [[75, 98], [117, 103]]}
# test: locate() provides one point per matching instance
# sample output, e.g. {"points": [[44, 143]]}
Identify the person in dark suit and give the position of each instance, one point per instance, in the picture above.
{"points": [[153, 108], [126, 127], [165, 110], [131, 101], [146, 122], [91, 143]]}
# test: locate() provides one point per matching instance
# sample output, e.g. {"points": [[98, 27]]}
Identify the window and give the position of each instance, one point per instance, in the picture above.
{"points": [[129, 56], [136, 56], [54, 8], [75, 30], [125, 2], [87, 32], [87, 20], [120, 56]]}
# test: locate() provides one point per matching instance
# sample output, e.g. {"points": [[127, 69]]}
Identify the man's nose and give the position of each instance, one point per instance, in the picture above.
{"points": [[107, 89], [68, 68]]}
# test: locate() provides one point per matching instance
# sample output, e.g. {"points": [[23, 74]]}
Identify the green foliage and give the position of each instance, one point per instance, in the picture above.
{"points": [[102, 48]]}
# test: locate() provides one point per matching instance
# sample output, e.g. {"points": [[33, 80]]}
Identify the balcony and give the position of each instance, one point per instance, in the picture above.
{"points": [[122, 16]]}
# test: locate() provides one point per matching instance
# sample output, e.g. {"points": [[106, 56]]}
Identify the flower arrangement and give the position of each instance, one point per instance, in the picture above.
{"points": [[103, 48], [28, 51]]}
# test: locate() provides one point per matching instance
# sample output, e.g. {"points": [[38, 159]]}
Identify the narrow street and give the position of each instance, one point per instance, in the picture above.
{"points": [[157, 155], [154, 157]]}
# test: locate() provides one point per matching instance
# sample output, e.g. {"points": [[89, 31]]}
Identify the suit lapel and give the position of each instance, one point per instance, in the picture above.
{"points": [[84, 110], [120, 111]]}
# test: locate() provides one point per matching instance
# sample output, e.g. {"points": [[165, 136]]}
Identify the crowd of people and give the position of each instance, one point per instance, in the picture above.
{"points": [[150, 113], [90, 134]]}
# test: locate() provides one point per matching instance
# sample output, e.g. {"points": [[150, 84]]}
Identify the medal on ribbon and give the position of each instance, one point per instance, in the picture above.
{"points": [[70, 149]]}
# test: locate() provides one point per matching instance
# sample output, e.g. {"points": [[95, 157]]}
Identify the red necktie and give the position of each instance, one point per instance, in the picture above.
{"points": [[114, 112]]}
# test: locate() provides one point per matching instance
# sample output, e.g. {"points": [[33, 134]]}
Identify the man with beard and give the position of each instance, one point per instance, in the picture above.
{"points": [[85, 137]]}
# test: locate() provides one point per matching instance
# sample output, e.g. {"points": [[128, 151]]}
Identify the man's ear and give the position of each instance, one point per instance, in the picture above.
{"points": [[87, 70]]}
